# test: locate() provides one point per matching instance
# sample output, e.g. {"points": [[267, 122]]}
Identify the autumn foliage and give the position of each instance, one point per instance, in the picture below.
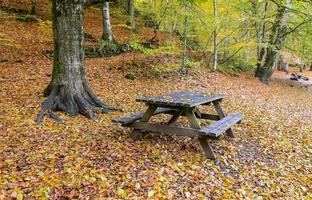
{"points": [[85, 159]]}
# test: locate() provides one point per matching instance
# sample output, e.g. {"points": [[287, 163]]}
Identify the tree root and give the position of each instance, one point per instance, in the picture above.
{"points": [[72, 103]]}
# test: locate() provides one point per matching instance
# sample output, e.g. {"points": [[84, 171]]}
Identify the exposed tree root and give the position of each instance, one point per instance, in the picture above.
{"points": [[72, 103]]}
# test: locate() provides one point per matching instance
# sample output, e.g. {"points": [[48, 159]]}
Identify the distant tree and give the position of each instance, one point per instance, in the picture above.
{"points": [[185, 35], [268, 55], [107, 29], [130, 10], [215, 38], [68, 90]]}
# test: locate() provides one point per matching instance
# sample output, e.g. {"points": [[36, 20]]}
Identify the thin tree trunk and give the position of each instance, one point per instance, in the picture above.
{"points": [[68, 90], [261, 35], [215, 38], [131, 13], [107, 29], [184, 57], [33, 7]]}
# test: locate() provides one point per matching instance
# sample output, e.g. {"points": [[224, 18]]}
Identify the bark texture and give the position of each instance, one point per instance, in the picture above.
{"points": [[131, 13], [215, 38], [68, 90], [107, 28]]}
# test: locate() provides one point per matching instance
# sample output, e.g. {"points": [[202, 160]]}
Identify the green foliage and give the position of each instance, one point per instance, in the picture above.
{"points": [[130, 76], [168, 48], [137, 47], [236, 67], [26, 17], [122, 26], [238, 23], [193, 64], [166, 68]]}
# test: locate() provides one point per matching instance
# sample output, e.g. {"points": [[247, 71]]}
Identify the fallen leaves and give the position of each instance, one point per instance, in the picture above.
{"points": [[270, 158]]}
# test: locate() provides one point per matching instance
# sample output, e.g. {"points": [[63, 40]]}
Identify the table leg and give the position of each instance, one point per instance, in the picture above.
{"points": [[146, 117], [175, 117], [190, 114], [221, 114]]}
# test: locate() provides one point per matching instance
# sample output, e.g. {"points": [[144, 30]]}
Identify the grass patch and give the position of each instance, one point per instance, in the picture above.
{"points": [[236, 67], [168, 48], [26, 17], [166, 68]]}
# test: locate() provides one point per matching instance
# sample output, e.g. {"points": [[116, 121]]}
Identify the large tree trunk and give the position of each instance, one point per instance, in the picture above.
{"points": [[107, 29], [215, 38], [68, 90], [269, 55], [131, 13]]}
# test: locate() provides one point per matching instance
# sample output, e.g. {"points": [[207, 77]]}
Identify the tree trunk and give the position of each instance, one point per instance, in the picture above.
{"points": [[107, 29], [68, 90], [215, 38], [184, 57], [33, 7], [269, 55], [131, 13]]}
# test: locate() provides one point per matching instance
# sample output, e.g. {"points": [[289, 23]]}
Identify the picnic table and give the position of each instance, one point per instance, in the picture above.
{"points": [[183, 104]]}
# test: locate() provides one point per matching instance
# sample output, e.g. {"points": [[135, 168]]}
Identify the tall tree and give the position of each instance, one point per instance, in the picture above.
{"points": [[268, 55], [107, 28], [131, 13], [68, 90], [215, 38], [185, 35]]}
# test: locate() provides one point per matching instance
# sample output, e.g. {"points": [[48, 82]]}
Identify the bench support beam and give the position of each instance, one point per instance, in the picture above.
{"points": [[146, 117], [221, 114], [190, 114]]}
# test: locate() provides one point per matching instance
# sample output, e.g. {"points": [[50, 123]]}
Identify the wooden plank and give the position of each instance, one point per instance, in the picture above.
{"points": [[166, 129], [217, 128], [209, 116], [221, 114], [175, 117], [192, 118], [207, 148], [138, 115], [181, 99], [190, 114], [145, 118]]}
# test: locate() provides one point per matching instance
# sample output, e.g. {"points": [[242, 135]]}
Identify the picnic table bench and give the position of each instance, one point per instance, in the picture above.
{"points": [[183, 104]]}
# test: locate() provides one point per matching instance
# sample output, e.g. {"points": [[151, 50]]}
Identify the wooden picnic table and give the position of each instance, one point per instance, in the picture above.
{"points": [[183, 104]]}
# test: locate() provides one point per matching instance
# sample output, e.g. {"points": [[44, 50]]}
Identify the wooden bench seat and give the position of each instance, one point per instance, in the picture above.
{"points": [[219, 127], [128, 119]]}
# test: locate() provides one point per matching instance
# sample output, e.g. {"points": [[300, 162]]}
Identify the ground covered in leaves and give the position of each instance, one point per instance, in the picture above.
{"points": [[83, 159]]}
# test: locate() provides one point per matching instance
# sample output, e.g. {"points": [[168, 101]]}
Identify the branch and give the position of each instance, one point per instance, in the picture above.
{"points": [[231, 56], [298, 26]]}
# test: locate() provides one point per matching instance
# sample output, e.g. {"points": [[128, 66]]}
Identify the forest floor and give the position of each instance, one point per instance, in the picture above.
{"points": [[83, 159]]}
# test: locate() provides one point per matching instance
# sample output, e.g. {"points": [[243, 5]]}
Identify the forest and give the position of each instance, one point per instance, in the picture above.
{"points": [[155, 99]]}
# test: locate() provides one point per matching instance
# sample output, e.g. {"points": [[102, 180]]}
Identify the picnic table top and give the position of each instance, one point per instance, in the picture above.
{"points": [[181, 99]]}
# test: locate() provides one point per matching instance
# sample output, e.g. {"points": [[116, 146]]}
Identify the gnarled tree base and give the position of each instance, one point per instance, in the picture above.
{"points": [[72, 102], [263, 74]]}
